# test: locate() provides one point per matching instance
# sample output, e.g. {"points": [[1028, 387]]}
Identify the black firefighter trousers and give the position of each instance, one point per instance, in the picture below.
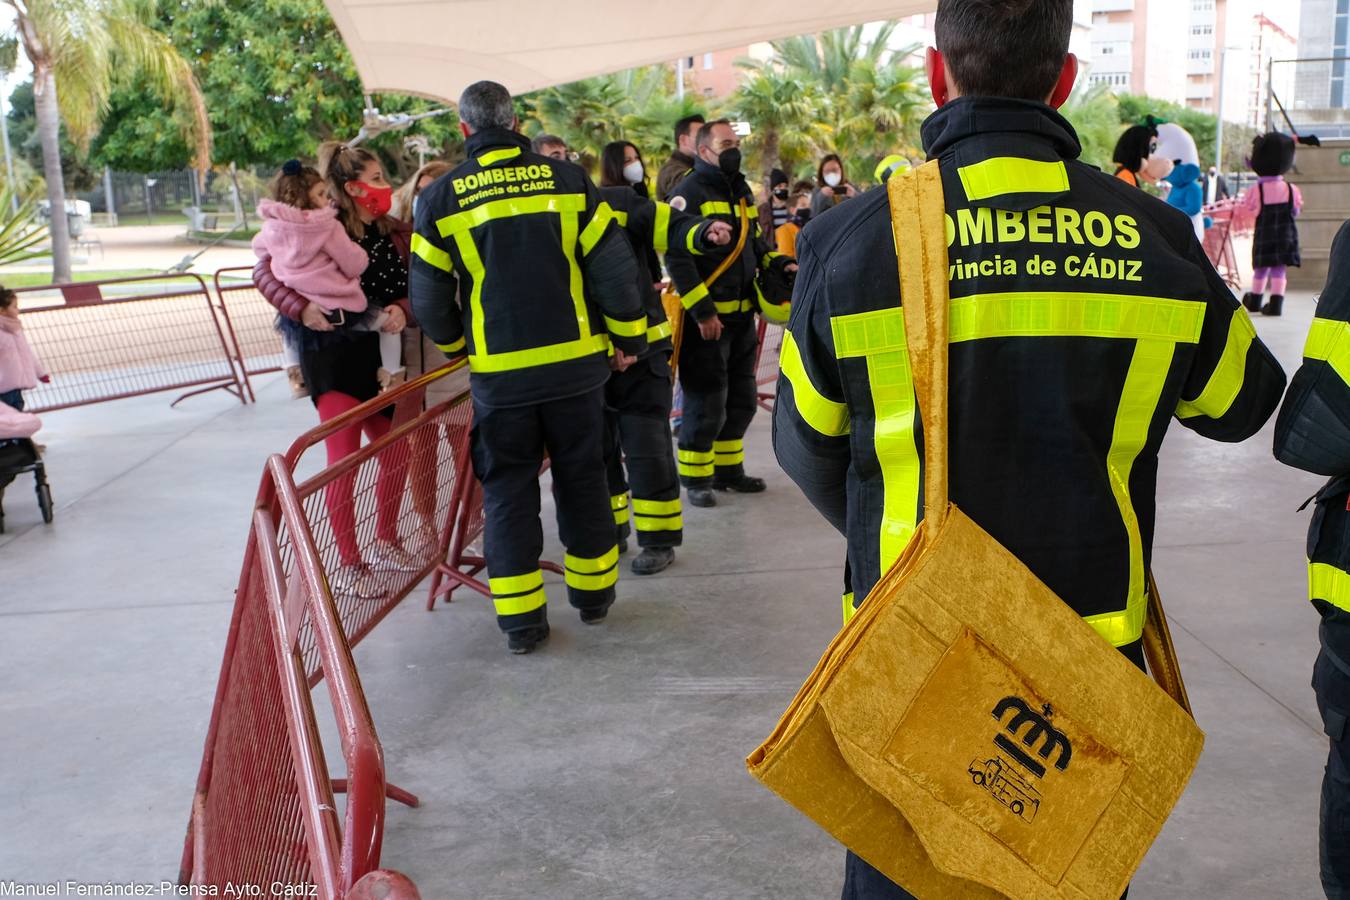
{"points": [[638, 415], [509, 445], [718, 378], [1331, 684]]}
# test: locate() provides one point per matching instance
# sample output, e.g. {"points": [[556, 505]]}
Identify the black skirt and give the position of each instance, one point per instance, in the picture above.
{"points": [[343, 360], [1276, 240]]}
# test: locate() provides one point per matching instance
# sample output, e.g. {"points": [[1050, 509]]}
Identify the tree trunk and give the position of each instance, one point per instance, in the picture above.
{"points": [[49, 132], [771, 148]]}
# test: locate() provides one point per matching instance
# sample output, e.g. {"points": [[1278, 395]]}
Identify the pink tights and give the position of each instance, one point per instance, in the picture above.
{"points": [[1276, 274]]}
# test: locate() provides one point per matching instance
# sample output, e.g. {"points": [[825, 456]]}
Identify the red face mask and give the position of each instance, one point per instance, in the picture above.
{"points": [[377, 201]]}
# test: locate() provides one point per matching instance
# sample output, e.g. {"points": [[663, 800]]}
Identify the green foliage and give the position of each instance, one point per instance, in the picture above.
{"points": [[20, 233], [27, 148], [1095, 115], [784, 115]]}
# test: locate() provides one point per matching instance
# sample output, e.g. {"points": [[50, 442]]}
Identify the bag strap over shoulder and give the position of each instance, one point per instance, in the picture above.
{"points": [[918, 226]]}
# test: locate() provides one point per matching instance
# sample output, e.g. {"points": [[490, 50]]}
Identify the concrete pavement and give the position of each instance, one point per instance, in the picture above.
{"points": [[608, 765]]}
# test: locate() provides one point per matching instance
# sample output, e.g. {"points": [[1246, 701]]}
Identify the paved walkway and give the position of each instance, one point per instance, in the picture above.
{"points": [[610, 764]]}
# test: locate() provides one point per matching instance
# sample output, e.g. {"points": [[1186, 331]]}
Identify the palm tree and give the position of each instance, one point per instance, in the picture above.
{"points": [[85, 47], [586, 114], [880, 109], [825, 59], [784, 114]]}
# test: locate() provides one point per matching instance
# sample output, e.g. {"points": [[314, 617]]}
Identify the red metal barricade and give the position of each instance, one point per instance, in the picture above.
{"points": [[125, 337], [264, 815], [250, 321], [1219, 241], [767, 364]]}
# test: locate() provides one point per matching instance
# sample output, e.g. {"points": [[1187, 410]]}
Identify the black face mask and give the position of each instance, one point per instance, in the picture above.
{"points": [[729, 161], [781, 193], [801, 217]]}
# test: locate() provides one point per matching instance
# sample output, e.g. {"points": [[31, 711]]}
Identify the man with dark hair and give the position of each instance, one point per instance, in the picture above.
{"points": [[1084, 316], [550, 145], [717, 352], [681, 161], [511, 237]]}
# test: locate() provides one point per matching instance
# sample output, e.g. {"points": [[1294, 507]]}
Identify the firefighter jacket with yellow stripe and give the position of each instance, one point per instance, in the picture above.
{"points": [[1313, 433], [1084, 317], [708, 192], [652, 225], [545, 281]]}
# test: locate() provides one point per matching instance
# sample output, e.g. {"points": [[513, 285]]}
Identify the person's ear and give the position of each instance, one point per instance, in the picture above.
{"points": [[936, 67], [1067, 76], [464, 129], [352, 190]]}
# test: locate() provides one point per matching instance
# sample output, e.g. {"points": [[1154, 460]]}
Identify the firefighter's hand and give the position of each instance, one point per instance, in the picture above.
{"points": [[711, 328], [718, 233], [396, 322], [790, 268], [314, 318], [620, 361]]}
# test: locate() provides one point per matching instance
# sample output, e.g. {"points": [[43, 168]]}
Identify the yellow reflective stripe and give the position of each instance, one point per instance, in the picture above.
{"points": [[668, 523], [661, 228], [1225, 382], [1012, 175], [696, 462], [656, 507], [539, 356], [592, 582], [508, 208], [620, 216], [733, 306], [691, 241], [515, 606], [570, 222], [849, 609], [1138, 403], [770, 257], [618, 501], [516, 584], [1048, 314], [1326, 582], [621, 516], [452, 347], [495, 156], [1327, 342], [688, 300], [879, 336], [595, 229], [473, 266], [729, 446], [431, 254], [659, 332], [729, 453], [825, 416], [715, 208], [636, 328], [585, 565]]}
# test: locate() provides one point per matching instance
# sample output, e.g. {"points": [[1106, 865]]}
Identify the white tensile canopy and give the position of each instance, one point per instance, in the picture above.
{"points": [[436, 48]]}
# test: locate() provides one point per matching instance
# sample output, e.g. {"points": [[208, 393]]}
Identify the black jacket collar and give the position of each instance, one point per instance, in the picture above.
{"points": [[494, 138], [977, 128], [714, 177]]}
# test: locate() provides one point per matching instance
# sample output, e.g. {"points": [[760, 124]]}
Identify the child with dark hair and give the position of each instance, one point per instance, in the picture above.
{"points": [[20, 369], [311, 253], [1276, 204], [1136, 144]]}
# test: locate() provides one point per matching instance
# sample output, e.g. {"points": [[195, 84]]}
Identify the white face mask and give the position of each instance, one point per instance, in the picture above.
{"points": [[832, 179], [632, 173]]}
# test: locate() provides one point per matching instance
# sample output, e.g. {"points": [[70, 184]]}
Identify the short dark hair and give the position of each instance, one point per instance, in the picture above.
{"points": [[1004, 48], [682, 126], [705, 133], [612, 164], [486, 104]]}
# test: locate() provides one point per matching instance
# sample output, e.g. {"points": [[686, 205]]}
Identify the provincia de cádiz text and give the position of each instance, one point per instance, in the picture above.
{"points": [[152, 889]]}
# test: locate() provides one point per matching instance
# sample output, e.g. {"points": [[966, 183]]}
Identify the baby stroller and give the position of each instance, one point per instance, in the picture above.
{"points": [[17, 456]]}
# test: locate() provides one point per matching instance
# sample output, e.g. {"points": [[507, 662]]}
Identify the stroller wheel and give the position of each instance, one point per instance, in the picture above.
{"points": [[44, 495]]}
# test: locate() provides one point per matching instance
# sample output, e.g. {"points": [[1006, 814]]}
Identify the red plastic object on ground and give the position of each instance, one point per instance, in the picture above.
{"points": [[125, 337]]}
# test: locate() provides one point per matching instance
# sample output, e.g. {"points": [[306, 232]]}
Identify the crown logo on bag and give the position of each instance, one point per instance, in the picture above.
{"points": [[1010, 782]]}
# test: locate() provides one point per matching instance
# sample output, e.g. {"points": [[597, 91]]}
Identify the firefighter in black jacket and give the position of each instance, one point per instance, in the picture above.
{"points": [[717, 352], [1313, 433], [639, 398], [1084, 316], [546, 288]]}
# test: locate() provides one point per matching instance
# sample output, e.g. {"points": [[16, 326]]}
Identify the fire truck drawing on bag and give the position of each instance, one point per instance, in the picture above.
{"points": [[1007, 786]]}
